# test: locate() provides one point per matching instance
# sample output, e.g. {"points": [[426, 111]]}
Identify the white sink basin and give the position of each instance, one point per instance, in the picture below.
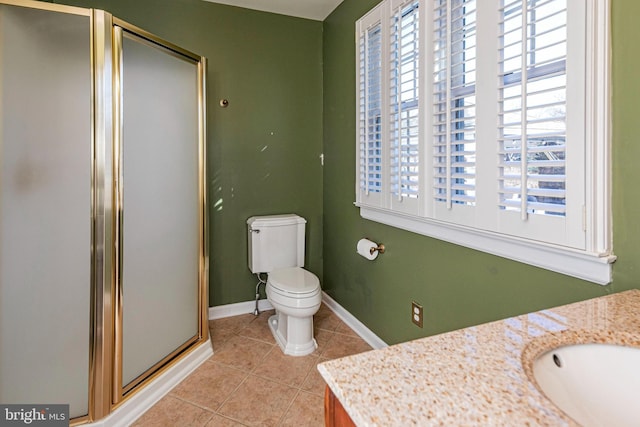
{"points": [[595, 384]]}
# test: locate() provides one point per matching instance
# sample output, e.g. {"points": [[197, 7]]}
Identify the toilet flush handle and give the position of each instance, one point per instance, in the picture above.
{"points": [[251, 230]]}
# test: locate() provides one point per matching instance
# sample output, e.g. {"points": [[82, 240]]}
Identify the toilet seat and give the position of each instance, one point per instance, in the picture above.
{"points": [[294, 282]]}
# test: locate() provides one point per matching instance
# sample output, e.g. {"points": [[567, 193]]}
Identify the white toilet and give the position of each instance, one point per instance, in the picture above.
{"points": [[276, 247]]}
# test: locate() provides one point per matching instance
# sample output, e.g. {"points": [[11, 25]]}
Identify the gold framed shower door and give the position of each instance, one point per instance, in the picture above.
{"points": [[106, 388]]}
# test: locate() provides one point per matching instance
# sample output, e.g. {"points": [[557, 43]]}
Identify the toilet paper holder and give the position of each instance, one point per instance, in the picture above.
{"points": [[379, 248], [369, 249]]}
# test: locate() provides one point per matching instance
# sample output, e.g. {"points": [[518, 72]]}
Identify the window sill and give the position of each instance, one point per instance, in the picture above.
{"points": [[592, 267]]}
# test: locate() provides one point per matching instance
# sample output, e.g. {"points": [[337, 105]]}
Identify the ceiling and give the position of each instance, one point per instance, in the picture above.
{"points": [[309, 9]]}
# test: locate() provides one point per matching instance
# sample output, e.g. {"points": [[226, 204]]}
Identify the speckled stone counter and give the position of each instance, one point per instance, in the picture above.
{"points": [[478, 376]]}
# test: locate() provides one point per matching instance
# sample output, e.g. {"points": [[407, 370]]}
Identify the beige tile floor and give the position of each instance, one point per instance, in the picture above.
{"points": [[250, 382]]}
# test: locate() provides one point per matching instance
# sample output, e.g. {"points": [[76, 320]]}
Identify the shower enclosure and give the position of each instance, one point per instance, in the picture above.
{"points": [[103, 252]]}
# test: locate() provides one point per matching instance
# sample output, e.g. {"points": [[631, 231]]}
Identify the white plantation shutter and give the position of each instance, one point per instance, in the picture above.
{"points": [[388, 46], [370, 108], [404, 126], [541, 137], [485, 123], [533, 127], [454, 84]]}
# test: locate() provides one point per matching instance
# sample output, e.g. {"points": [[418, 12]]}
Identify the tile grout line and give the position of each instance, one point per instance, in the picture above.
{"points": [[192, 403], [229, 396], [289, 406], [313, 367]]}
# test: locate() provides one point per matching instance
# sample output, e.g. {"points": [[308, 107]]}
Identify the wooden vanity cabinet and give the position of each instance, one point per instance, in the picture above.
{"points": [[334, 413]]}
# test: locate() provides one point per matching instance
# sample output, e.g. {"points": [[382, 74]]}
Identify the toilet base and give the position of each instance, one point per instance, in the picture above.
{"points": [[294, 335]]}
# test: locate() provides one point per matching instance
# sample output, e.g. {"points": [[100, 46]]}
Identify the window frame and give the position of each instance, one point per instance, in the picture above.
{"points": [[593, 263]]}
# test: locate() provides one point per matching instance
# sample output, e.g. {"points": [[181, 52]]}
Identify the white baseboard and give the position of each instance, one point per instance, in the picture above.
{"points": [[144, 399], [228, 310], [221, 311], [350, 320]]}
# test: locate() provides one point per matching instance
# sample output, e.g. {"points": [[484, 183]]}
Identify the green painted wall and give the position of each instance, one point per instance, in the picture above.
{"points": [[263, 150], [458, 287], [626, 147]]}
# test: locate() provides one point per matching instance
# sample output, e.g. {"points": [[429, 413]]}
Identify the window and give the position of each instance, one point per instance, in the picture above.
{"points": [[485, 123]]}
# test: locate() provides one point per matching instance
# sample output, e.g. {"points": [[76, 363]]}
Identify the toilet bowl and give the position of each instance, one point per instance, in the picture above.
{"points": [[296, 296]]}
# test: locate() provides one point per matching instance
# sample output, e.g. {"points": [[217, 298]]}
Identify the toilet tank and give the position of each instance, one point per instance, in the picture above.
{"points": [[275, 241]]}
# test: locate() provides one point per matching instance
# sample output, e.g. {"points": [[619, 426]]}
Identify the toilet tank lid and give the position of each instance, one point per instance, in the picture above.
{"points": [[275, 220]]}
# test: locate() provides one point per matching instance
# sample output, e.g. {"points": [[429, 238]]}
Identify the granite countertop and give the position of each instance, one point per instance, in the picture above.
{"points": [[477, 375]]}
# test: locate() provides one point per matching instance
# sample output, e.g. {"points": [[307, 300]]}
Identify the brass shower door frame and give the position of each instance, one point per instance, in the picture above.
{"points": [[103, 286], [120, 29]]}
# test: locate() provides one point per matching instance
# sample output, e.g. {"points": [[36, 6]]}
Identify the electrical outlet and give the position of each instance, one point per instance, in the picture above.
{"points": [[416, 313]]}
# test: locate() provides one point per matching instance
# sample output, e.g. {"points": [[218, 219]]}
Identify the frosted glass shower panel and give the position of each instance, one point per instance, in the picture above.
{"points": [[45, 207], [160, 214]]}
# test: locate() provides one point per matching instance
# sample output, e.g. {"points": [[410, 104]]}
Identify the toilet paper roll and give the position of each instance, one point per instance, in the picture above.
{"points": [[364, 248]]}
